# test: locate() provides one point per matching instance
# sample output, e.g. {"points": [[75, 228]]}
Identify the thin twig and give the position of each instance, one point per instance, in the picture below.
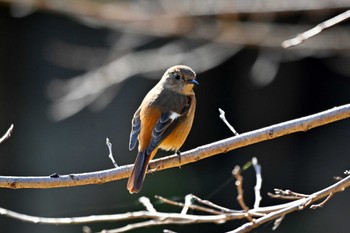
{"points": [[213, 205], [287, 194], [315, 206], [258, 184], [239, 183], [110, 154], [7, 134], [134, 226], [192, 207], [145, 201], [296, 205], [223, 118], [194, 155], [316, 30], [175, 217], [188, 203], [277, 222], [168, 231]]}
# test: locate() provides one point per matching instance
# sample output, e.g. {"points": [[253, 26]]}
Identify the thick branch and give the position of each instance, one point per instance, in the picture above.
{"points": [[222, 146]]}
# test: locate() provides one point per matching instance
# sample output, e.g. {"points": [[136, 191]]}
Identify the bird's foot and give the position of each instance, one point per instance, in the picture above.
{"points": [[151, 170]]}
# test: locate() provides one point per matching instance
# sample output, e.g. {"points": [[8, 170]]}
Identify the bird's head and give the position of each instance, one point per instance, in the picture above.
{"points": [[180, 79]]}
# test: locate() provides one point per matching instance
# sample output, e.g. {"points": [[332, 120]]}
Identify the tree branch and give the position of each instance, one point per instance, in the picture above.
{"points": [[296, 205], [298, 125], [316, 30], [223, 118], [261, 215], [257, 187], [7, 134]]}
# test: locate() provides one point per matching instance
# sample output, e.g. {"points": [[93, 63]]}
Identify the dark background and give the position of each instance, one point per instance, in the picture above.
{"points": [[40, 145]]}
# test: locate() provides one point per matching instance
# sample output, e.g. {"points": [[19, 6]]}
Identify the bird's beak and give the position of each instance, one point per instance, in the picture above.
{"points": [[192, 81]]}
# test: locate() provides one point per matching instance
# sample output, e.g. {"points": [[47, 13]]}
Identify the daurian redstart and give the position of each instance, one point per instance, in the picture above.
{"points": [[163, 120]]}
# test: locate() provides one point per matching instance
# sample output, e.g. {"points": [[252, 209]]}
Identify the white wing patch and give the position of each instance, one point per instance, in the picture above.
{"points": [[174, 115]]}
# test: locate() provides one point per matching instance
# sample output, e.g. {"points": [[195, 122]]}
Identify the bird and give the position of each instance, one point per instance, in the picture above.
{"points": [[163, 120]]}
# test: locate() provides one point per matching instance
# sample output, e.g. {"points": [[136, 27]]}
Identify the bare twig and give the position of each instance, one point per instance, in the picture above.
{"points": [[202, 152], [316, 30], [315, 206], [213, 205], [172, 217], [258, 184], [286, 194], [160, 218], [147, 203], [168, 231], [134, 226], [277, 222], [294, 206], [110, 154], [188, 203], [7, 134], [192, 206], [223, 118], [239, 183]]}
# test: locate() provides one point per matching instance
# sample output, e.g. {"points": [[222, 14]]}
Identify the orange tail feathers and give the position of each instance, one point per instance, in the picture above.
{"points": [[138, 173]]}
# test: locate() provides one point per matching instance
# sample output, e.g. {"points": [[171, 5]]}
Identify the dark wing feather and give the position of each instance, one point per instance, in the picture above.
{"points": [[164, 127], [135, 129]]}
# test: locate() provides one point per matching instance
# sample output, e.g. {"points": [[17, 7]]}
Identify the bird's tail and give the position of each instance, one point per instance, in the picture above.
{"points": [[139, 171]]}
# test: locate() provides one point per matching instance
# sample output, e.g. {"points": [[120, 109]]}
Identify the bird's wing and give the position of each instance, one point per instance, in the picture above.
{"points": [[165, 125], [135, 129]]}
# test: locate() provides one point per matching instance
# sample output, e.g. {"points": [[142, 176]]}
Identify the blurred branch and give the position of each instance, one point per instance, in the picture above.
{"points": [[98, 87], [217, 23], [69, 97], [316, 30], [126, 11], [258, 216], [189, 18], [7, 134], [298, 125], [163, 18]]}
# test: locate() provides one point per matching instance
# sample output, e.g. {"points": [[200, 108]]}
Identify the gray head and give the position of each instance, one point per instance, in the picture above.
{"points": [[180, 79]]}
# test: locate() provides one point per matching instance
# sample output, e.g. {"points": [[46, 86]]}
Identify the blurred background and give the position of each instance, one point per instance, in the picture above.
{"points": [[73, 73]]}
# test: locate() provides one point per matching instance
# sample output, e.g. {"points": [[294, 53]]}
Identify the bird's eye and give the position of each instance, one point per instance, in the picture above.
{"points": [[176, 76]]}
